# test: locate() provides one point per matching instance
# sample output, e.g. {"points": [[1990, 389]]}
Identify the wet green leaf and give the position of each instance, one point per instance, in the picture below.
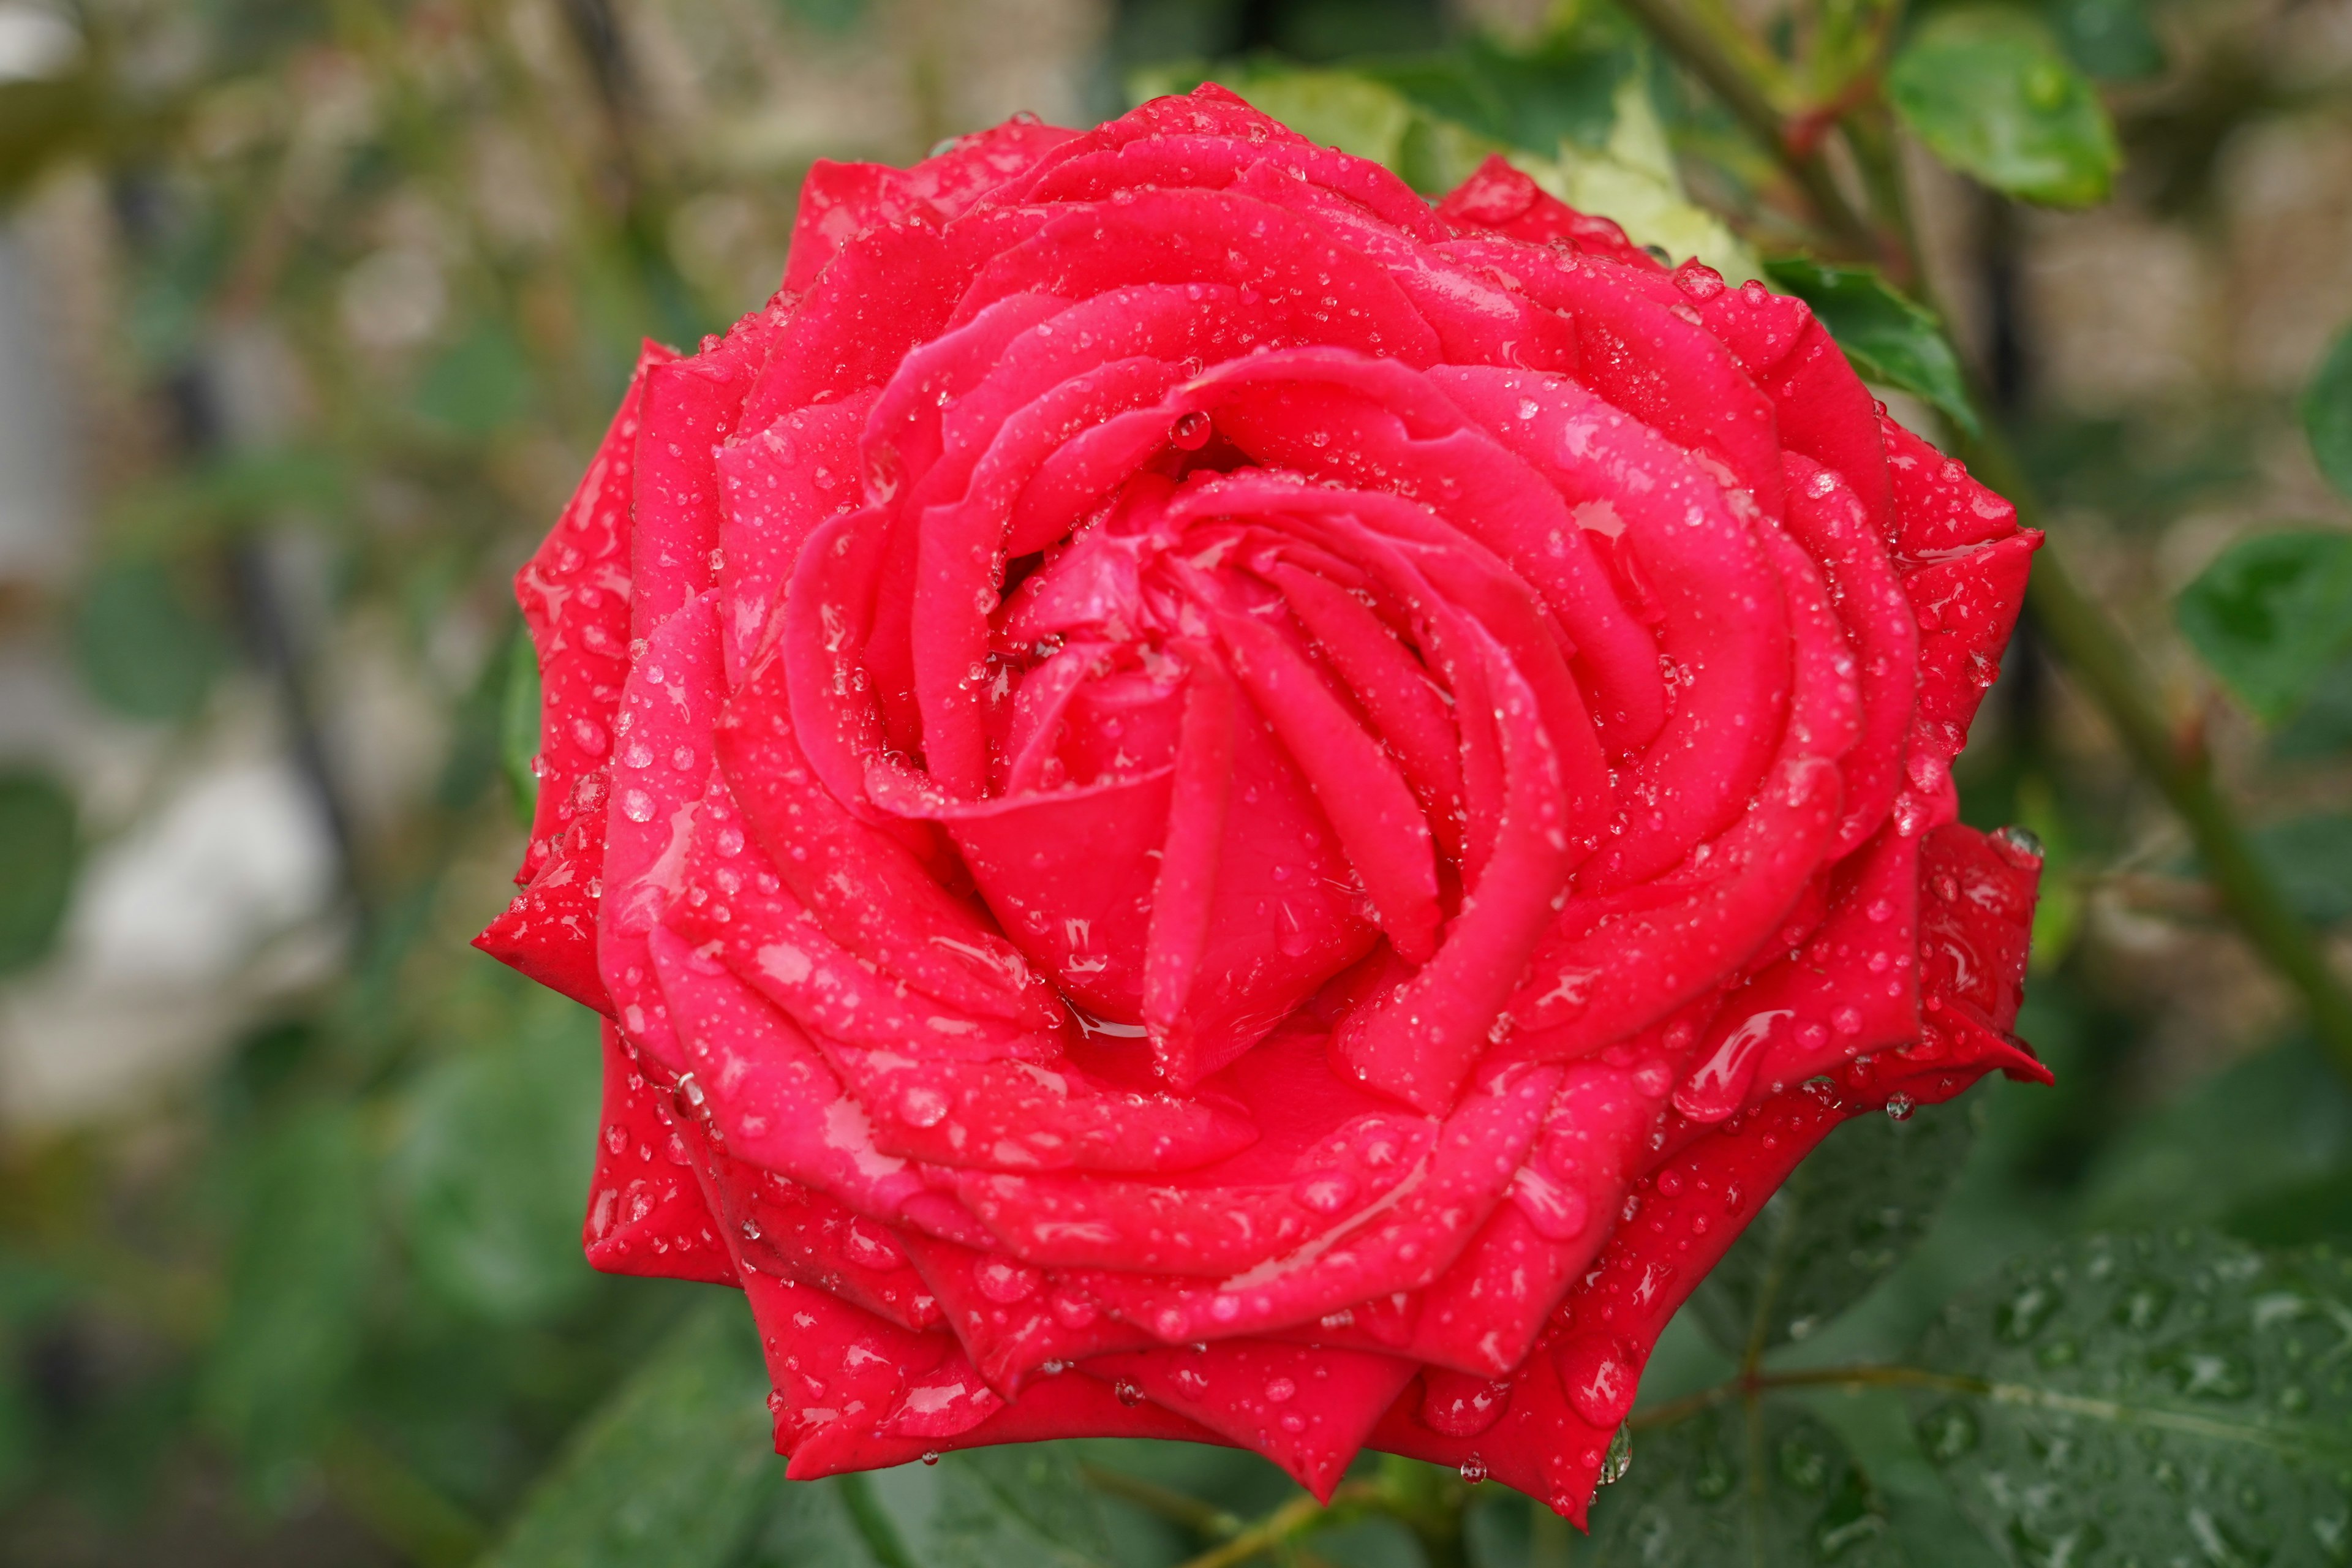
{"points": [[674, 1470], [141, 646], [1988, 89], [1888, 338], [38, 846], [519, 725], [491, 1176], [2153, 1399], [2272, 613], [2326, 410], [1840, 1223], [1707, 1491], [298, 1281]]}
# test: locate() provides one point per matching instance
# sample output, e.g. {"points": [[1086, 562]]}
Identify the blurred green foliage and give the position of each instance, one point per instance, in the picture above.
{"points": [[328, 1304]]}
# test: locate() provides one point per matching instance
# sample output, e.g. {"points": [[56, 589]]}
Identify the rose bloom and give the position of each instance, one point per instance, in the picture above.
{"points": [[1207, 801]]}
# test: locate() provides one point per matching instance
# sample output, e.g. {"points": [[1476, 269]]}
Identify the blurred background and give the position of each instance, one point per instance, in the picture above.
{"points": [[309, 314]]}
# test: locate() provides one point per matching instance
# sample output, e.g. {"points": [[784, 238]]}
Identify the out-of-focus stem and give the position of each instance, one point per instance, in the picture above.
{"points": [[2087, 639], [2096, 652], [1292, 1519], [1718, 64]]}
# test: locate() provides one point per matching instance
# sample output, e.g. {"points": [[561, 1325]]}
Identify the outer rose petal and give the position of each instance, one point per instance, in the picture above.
{"points": [[549, 931], [645, 1214], [575, 592], [1502, 200]]}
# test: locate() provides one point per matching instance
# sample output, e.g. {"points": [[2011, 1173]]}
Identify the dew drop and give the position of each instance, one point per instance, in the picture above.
{"points": [[1474, 1469], [1620, 1459], [1948, 1432], [1127, 1393], [921, 1106], [1899, 1107], [1600, 1376], [1190, 432]]}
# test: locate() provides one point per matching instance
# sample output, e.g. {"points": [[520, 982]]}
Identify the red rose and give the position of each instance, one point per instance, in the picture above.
{"points": [[1209, 803]]}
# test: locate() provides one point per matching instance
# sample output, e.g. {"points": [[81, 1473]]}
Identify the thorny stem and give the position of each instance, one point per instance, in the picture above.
{"points": [[2086, 638]]}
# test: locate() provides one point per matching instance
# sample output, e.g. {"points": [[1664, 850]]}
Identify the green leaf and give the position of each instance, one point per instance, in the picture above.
{"points": [[1024, 1504], [1886, 336], [1706, 1493], [298, 1286], [2111, 39], [2326, 410], [38, 846], [1561, 88], [519, 720], [141, 645], [1840, 1223], [1339, 108], [673, 1472], [2272, 613], [490, 1177], [2311, 857], [1633, 179], [2322, 726], [2158, 1400], [1987, 91]]}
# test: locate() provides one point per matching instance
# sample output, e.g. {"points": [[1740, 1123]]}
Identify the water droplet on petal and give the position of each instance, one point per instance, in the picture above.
{"points": [[1600, 1376], [1899, 1107]]}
